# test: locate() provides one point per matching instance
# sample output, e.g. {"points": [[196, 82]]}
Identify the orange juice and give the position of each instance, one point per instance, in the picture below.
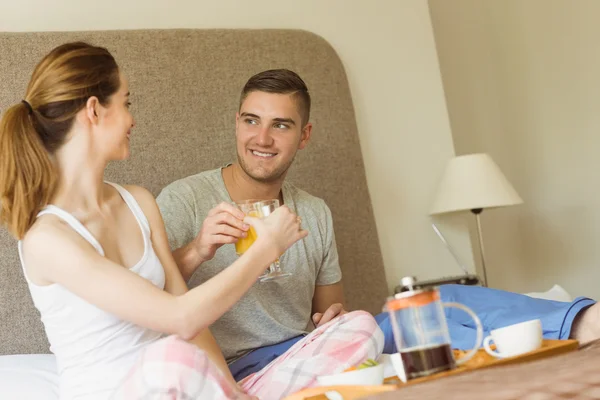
{"points": [[244, 244]]}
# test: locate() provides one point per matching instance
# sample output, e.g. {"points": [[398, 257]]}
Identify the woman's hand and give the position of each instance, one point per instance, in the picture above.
{"points": [[279, 230]]}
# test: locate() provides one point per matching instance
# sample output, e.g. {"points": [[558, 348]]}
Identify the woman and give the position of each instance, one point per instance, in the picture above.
{"points": [[96, 258]]}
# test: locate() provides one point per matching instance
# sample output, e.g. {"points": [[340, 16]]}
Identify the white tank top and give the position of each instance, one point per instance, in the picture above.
{"points": [[94, 349]]}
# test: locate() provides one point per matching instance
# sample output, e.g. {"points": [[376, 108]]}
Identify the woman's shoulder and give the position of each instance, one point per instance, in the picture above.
{"points": [[145, 200], [45, 244], [140, 193], [43, 226], [47, 231]]}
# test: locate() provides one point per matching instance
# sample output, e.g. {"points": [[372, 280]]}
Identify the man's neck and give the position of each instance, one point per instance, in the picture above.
{"points": [[242, 187]]}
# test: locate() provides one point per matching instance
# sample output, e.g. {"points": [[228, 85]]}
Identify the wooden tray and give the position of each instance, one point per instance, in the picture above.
{"points": [[479, 361]]}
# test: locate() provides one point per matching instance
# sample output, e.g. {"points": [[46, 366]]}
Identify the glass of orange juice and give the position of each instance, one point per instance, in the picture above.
{"points": [[259, 209]]}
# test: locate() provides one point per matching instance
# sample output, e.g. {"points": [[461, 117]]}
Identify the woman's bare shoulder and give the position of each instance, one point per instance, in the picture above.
{"points": [[147, 202], [45, 244], [139, 192]]}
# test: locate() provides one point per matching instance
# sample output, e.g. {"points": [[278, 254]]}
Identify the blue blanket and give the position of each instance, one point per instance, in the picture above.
{"points": [[496, 309]]}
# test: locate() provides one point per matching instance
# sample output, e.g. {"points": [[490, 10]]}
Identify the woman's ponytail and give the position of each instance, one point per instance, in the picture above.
{"points": [[27, 176]]}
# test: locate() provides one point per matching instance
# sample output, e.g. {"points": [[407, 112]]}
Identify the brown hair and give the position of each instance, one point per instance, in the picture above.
{"points": [[32, 130], [280, 81]]}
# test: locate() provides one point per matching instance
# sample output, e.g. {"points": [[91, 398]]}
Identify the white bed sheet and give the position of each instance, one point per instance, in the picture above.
{"points": [[28, 377]]}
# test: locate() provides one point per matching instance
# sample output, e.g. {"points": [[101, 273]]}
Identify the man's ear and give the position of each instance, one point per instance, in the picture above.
{"points": [[91, 109], [305, 136], [237, 122]]}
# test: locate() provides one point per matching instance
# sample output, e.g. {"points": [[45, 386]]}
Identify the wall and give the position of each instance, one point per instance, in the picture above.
{"points": [[522, 82], [389, 53]]}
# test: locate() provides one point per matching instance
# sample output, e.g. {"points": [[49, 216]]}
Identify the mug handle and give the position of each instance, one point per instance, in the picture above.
{"points": [[479, 337], [488, 349]]}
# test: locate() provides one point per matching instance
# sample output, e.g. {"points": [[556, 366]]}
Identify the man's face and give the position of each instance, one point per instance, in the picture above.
{"points": [[269, 133]]}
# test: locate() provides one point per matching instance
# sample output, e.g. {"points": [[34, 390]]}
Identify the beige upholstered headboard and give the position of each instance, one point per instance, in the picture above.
{"points": [[185, 86]]}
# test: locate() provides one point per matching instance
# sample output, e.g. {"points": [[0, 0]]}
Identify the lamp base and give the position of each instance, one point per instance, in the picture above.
{"points": [[477, 212], [469, 280]]}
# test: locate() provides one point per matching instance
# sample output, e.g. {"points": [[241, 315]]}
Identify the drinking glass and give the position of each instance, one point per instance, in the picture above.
{"points": [[259, 209]]}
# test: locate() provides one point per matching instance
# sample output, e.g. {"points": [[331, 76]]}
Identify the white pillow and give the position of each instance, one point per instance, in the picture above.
{"points": [[556, 293], [28, 377]]}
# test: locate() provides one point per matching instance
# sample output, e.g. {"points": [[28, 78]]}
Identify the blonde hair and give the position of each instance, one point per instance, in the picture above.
{"points": [[32, 130]]}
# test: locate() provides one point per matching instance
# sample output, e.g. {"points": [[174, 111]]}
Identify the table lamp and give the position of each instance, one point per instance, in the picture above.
{"points": [[473, 183]]}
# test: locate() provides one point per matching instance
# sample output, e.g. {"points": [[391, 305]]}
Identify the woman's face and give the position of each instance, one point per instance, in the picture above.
{"points": [[115, 123]]}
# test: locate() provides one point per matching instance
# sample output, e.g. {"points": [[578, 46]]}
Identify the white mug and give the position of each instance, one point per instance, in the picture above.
{"points": [[516, 339]]}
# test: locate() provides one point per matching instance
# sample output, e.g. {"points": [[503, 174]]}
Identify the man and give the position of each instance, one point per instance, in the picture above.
{"points": [[272, 124]]}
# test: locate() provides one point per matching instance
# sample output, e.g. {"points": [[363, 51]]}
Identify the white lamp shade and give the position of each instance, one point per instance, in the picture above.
{"points": [[473, 181]]}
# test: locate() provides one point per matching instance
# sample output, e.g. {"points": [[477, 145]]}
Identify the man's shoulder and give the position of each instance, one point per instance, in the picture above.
{"points": [[306, 202], [194, 185]]}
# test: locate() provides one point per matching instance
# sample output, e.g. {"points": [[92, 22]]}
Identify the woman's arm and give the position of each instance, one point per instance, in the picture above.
{"points": [[174, 281], [62, 256]]}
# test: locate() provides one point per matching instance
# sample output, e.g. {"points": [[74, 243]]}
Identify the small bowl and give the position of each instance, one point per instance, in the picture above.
{"points": [[365, 376]]}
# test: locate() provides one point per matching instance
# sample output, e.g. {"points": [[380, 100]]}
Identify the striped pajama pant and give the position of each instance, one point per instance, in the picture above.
{"points": [[174, 369]]}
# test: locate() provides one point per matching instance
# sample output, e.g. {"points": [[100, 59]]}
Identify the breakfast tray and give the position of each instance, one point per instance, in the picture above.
{"points": [[479, 361]]}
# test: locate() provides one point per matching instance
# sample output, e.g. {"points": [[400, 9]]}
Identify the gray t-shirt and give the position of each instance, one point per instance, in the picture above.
{"points": [[271, 312]]}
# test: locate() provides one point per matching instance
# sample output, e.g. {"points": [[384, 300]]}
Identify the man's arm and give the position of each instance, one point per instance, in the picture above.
{"points": [[223, 225], [194, 245], [187, 259], [328, 299], [328, 303], [326, 295], [178, 214]]}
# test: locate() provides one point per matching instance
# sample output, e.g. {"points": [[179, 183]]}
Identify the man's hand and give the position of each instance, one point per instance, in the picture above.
{"points": [[223, 225], [334, 310]]}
